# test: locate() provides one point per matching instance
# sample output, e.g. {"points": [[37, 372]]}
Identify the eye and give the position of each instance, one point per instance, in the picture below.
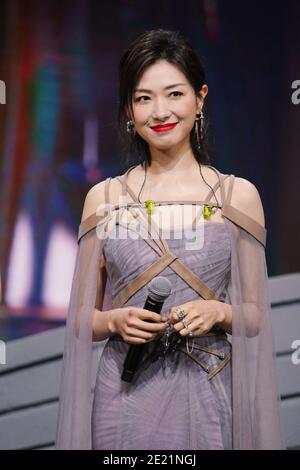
{"points": [[144, 96], [179, 93], [140, 97]]}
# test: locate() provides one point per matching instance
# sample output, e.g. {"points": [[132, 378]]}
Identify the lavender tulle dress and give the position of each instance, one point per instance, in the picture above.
{"points": [[171, 404]]}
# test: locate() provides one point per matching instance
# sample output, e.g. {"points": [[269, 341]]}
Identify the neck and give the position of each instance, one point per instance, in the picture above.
{"points": [[167, 164]]}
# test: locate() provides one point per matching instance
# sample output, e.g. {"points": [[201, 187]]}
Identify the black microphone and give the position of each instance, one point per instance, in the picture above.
{"points": [[159, 289]]}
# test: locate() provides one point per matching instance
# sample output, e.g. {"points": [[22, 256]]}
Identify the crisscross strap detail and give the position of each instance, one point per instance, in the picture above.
{"points": [[160, 245], [168, 258], [211, 371], [143, 278]]}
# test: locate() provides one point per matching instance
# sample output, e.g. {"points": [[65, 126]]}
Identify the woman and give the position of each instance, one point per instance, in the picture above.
{"points": [[217, 388]]}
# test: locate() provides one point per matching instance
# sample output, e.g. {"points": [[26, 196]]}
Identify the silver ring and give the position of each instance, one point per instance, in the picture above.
{"points": [[184, 324], [190, 333]]}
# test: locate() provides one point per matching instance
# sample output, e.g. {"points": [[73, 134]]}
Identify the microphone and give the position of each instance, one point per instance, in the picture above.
{"points": [[159, 289]]}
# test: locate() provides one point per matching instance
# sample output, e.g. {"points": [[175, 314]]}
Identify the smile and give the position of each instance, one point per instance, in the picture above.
{"points": [[165, 128]]}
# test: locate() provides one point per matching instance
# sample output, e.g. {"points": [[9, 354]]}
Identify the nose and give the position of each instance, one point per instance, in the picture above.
{"points": [[160, 110]]}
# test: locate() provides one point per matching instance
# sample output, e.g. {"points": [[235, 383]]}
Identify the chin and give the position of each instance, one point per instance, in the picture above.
{"points": [[163, 146]]}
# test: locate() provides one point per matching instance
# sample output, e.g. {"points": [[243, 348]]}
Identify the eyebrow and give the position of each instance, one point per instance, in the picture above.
{"points": [[166, 87]]}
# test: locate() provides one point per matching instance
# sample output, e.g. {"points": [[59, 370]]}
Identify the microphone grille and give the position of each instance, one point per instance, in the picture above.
{"points": [[159, 288]]}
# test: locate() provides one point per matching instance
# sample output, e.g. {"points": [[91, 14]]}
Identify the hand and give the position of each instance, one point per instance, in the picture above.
{"points": [[137, 325], [201, 316]]}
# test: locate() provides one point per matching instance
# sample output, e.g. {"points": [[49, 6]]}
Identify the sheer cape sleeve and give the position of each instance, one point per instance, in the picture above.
{"points": [[255, 397], [76, 391]]}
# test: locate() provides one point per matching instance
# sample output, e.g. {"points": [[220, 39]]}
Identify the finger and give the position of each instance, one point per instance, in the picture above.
{"points": [[148, 315], [180, 325], [197, 327], [141, 336], [186, 330], [137, 333], [132, 340], [135, 340], [173, 315], [149, 326]]}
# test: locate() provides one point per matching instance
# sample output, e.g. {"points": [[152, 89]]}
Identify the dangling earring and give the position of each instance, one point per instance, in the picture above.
{"points": [[199, 116], [130, 127]]}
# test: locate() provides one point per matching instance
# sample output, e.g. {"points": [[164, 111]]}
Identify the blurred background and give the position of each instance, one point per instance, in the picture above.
{"points": [[59, 63]]}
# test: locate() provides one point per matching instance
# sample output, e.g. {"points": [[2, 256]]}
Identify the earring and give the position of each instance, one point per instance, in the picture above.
{"points": [[130, 127], [199, 116]]}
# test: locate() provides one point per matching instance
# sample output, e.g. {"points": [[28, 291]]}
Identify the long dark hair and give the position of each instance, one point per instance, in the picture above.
{"points": [[148, 48]]}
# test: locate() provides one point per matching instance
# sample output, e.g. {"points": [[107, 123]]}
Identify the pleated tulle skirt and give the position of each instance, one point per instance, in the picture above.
{"points": [[170, 404]]}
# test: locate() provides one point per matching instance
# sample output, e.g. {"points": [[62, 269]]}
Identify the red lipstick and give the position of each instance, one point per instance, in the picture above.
{"points": [[164, 127]]}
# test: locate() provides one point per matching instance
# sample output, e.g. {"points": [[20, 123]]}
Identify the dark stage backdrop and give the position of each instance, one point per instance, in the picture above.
{"points": [[59, 60]]}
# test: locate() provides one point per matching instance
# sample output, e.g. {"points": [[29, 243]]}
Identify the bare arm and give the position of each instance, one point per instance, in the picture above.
{"points": [[102, 324]]}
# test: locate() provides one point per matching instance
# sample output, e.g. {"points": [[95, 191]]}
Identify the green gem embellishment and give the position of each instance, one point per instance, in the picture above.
{"points": [[149, 204], [207, 211]]}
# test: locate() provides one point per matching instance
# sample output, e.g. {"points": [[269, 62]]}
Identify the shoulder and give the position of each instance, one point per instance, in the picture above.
{"points": [[96, 196], [246, 198]]}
